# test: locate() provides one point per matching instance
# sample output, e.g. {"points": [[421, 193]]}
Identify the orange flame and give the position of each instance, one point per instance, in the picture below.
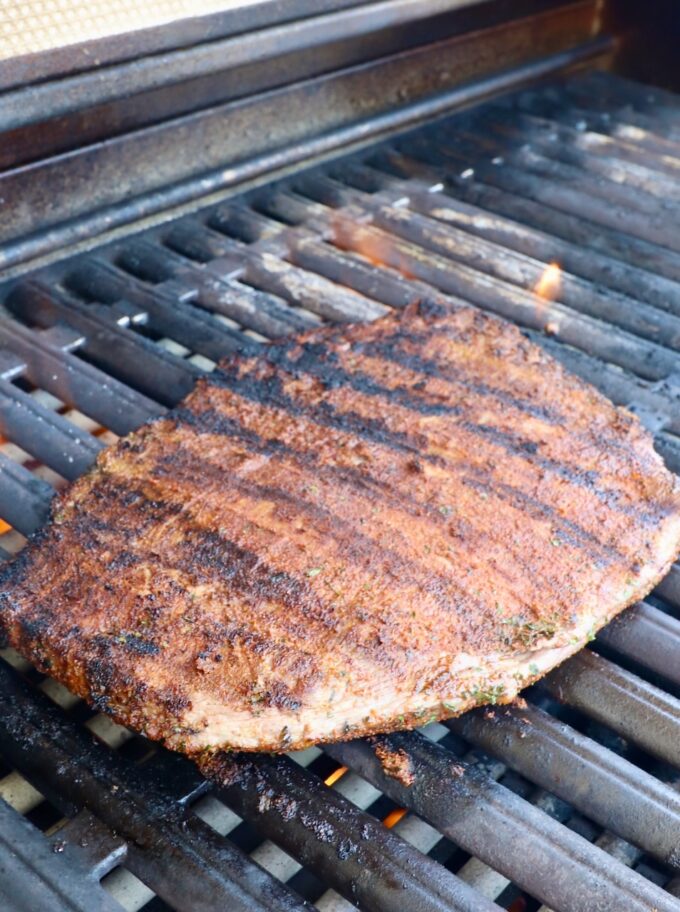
{"points": [[546, 290], [394, 817], [548, 286], [4, 526], [335, 775], [371, 243]]}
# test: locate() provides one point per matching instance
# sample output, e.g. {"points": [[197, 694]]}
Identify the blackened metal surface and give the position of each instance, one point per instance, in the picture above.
{"points": [[557, 866], [60, 114], [346, 105], [635, 709], [352, 851], [183, 860], [649, 636], [46, 435], [605, 787], [34, 876], [46, 363], [132, 359], [25, 498]]}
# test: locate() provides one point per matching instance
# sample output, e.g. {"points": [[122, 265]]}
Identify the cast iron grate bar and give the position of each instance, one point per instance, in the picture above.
{"points": [[469, 210], [33, 876], [483, 187], [180, 857]]}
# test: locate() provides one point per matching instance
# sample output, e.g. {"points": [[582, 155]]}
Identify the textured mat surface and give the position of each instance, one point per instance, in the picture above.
{"points": [[39, 25]]}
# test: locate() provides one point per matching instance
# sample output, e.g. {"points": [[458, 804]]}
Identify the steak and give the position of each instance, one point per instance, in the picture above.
{"points": [[360, 529]]}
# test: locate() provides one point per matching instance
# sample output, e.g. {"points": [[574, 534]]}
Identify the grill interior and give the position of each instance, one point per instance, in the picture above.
{"points": [[568, 803]]}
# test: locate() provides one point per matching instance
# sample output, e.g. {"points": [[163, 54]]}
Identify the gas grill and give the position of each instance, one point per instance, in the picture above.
{"points": [[207, 188]]}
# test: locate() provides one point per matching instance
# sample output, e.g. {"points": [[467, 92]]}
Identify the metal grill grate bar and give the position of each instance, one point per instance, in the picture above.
{"points": [[485, 187], [518, 269], [552, 185], [46, 435], [612, 91], [131, 358], [485, 290], [648, 636], [637, 710], [181, 859], [605, 787], [493, 824], [636, 283], [352, 851], [168, 309], [50, 366], [25, 498], [33, 877]]}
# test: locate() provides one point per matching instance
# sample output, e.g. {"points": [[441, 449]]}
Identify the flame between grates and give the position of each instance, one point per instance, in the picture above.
{"points": [[568, 803]]}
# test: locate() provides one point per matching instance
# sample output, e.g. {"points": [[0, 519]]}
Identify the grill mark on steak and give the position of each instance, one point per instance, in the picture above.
{"points": [[356, 544], [315, 359], [360, 483], [569, 534], [429, 367], [432, 367], [242, 563], [588, 479], [326, 367], [268, 390], [512, 443], [378, 431], [573, 532]]}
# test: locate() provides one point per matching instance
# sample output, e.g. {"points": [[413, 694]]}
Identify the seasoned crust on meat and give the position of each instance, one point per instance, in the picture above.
{"points": [[355, 531]]}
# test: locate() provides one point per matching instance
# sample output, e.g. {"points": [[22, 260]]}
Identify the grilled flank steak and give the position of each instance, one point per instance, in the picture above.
{"points": [[358, 530]]}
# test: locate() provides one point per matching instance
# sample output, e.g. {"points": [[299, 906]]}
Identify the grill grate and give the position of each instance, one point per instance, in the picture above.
{"points": [[571, 800]]}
